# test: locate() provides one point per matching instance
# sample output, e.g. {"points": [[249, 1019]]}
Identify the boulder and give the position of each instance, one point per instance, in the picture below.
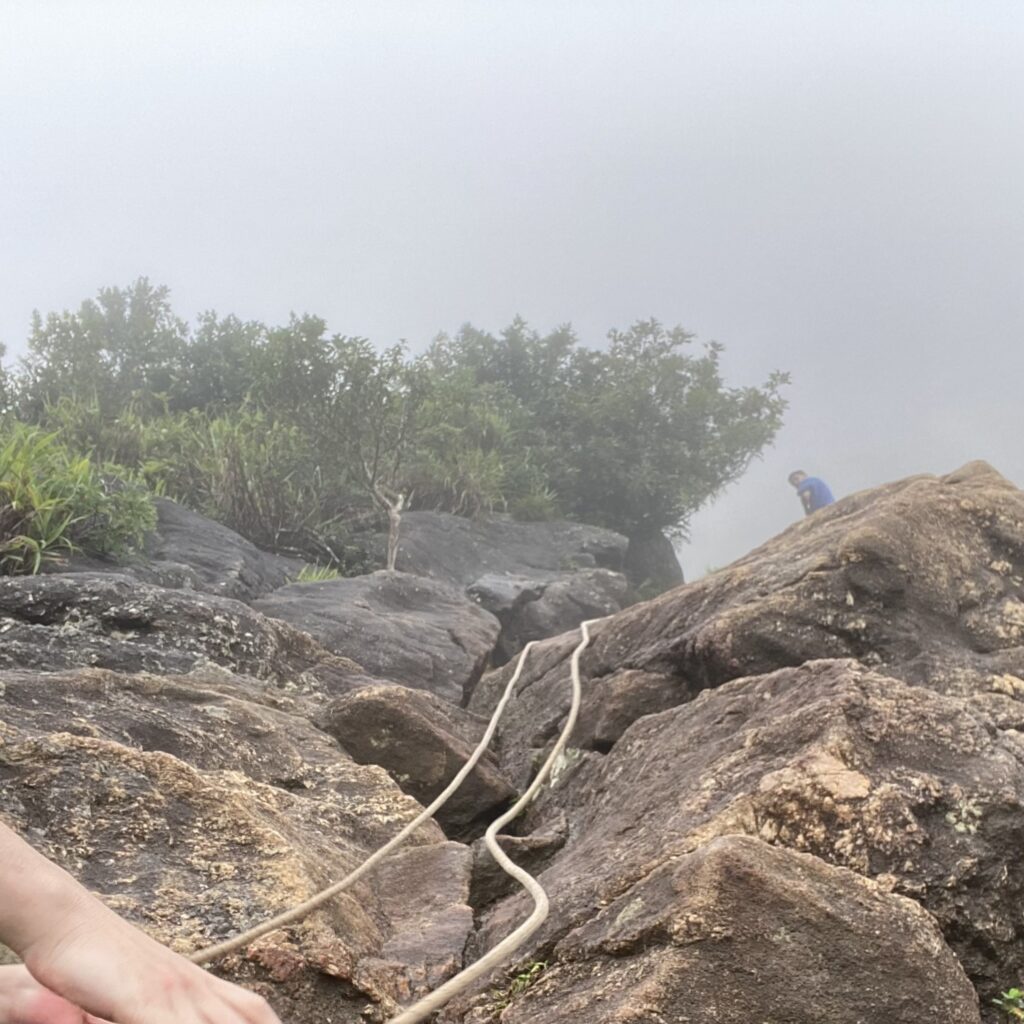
{"points": [[921, 792], [223, 561], [422, 742], [71, 620], [195, 854], [458, 550], [651, 563], [535, 608], [539, 579], [415, 631], [210, 718], [739, 931], [923, 579], [190, 551]]}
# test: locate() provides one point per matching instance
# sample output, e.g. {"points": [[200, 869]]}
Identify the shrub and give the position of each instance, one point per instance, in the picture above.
{"points": [[53, 503], [289, 435]]}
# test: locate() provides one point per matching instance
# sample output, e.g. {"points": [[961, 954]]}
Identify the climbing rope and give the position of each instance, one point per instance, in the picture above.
{"points": [[429, 1004], [504, 949]]}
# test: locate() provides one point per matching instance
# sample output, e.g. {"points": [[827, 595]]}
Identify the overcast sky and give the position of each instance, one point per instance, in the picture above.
{"points": [[830, 188]]}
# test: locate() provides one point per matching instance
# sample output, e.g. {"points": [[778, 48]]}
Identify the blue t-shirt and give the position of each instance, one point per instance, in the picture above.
{"points": [[818, 490]]}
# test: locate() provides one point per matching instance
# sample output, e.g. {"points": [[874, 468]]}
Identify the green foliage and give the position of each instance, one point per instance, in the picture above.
{"points": [[221, 365], [471, 457], [375, 412], [1011, 1002], [521, 981], [301, 440], [652, 432], [125, 345], [636, 436], [53, 503], [251, 473], [317, 574]]}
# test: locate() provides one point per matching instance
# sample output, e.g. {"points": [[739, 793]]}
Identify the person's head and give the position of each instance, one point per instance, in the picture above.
{"points": [[797, 477]]}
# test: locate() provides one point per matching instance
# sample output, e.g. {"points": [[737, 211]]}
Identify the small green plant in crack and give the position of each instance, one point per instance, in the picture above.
{"points": [[317, 574], [525, 979], [1011, 1002], [965, 817]]}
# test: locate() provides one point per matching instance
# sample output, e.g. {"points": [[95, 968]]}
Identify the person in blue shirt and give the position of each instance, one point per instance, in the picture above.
{"points": [[813, 492]]}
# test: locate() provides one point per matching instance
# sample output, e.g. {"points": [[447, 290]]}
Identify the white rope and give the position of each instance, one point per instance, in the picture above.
{"points": [[504, 949], [429, 1004]]}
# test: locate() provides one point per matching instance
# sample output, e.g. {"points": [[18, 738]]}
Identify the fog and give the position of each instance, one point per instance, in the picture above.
{"points": [[833, 189]]}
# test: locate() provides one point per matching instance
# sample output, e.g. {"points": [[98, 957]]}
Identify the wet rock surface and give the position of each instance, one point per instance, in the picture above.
{"points": [[196, 854], [407, 629], [532, 609], [191, 552], [921, 792], [223, 562], [922, 579], [209, 718], [738, 931], [422, 741], [71, 620], [539, 579], [459, 550], [795, 791]]}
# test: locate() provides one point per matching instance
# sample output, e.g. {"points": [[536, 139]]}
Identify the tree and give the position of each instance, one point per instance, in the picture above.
{"points": [[219, 364], [301, 433], [651, 432], [374, 415], [124, 345], [635, 437]]}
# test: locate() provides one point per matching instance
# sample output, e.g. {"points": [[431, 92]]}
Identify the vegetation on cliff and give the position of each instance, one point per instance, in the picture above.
{"points": [[295, 438]]}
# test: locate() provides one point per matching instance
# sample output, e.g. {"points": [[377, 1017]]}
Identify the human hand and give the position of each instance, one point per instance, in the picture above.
{"points": [[99, 962], [24, 1001]]}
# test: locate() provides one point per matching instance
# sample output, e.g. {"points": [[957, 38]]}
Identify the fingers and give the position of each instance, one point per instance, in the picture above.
{"points": [[253, 1009], [120, 975], [202, 999], [24, 1001]]}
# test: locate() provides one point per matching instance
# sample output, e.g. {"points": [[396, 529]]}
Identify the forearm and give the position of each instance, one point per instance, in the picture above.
{"points": [[36, 896]]}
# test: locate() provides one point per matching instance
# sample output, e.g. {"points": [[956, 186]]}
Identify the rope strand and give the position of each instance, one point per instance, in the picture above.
{"points": [[436, 999], [504, 949]]}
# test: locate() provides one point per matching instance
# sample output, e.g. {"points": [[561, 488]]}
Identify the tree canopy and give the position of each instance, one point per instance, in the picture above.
{"points": [[287, 433]]}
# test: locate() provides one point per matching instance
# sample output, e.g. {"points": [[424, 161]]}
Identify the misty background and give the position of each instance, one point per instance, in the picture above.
{"points": [[833, 189]]}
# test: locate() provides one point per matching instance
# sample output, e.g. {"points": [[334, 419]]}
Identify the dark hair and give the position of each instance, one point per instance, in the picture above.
{"points": [[796, 472]]}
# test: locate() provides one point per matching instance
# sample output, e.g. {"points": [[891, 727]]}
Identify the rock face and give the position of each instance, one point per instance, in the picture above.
{"points": [[923, 793], [422, 741], [922, 579], [195, 850], [459, 551], [112, 621], [740, 931], [539, 579], [532, 609], [795, 793], [411, 630], [189, 551], [651, 562], [223, 562], [209, 719], [904, 762]]}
